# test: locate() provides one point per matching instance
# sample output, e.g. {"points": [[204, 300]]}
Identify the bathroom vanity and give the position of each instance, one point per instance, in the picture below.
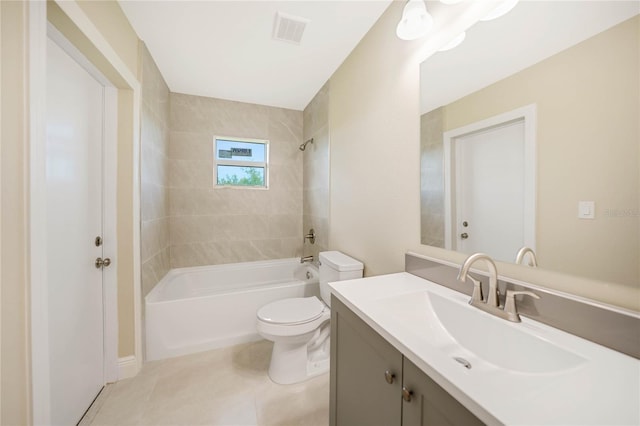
{"points": [[408, 351], [369, 368]]}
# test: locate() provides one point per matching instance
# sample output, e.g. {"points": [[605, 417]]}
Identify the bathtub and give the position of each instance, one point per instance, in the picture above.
{"points": [[207, 307]]}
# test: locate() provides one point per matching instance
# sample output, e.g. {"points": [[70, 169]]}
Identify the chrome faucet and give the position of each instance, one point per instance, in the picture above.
{"points": [[306, 259], [491, 305], [533, 261]]}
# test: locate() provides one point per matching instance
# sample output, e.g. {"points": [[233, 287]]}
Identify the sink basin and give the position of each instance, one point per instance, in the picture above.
{"points": [[460, 330], [503, 372]]}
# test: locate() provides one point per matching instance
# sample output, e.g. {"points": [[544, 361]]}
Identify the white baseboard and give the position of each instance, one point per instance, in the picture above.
{"points": [[127, 367]]}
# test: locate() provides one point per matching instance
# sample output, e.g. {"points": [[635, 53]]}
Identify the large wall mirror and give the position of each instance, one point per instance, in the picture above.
{"points": [[530, 136]]}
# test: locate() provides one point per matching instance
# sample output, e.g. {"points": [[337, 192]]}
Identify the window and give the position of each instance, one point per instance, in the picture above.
{"points": [[240, 162]]}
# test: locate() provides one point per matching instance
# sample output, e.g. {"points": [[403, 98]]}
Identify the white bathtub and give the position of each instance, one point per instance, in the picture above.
{"points": [[201, 308]]}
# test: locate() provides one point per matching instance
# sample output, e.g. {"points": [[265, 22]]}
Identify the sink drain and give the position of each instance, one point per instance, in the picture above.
{"points": [[463, 361]]}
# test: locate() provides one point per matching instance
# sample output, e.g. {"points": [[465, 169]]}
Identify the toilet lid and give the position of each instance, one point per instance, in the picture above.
{"points": [[292, 311]]}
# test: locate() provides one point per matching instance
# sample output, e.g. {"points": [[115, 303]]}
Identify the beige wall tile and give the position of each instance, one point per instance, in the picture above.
{"points": [[285, 125], [316, 172], [316, 114], [154, 201], [212, 225], [286, 176], [192, 201], [154, 174], [154, 269], [190, 145], [208, 225], [285, 201], [191, 174]]}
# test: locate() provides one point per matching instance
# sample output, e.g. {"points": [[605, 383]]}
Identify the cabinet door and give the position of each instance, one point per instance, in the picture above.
{"points": [[430, 404], [361, 394]]}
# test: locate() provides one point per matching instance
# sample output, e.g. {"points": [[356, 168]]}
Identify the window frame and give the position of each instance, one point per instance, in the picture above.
{"points": [[238, 163]]}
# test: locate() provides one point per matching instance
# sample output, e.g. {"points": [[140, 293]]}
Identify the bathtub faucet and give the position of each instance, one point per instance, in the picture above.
{"points": [[306, 259]]}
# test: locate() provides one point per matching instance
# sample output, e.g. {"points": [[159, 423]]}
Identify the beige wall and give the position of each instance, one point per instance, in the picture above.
{"points": [[127, 131], [210, 225], [587, 145], [14, 380], [374, 127], [154, 174], [108, 17], [316, 172]]}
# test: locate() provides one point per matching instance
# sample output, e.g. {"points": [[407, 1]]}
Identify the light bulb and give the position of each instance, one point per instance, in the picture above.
{"points": [[415, 21]]}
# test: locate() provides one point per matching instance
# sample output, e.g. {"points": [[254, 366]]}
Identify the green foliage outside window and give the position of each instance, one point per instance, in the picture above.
{"points": [[252, 177]]}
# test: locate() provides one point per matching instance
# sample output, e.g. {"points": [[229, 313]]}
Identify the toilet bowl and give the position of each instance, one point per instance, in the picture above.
{"points": [[299, 327]]}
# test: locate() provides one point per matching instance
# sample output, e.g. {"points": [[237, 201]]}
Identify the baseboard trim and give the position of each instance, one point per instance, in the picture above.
{"points": [[127, 367]]}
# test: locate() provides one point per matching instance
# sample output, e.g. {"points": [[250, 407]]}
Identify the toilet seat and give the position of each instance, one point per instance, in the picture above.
{"points": [[292, 311], [294, 318]]}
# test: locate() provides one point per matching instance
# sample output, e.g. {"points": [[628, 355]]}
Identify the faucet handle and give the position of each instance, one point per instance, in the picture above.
{"points": [[510, 303], [476, 296]]}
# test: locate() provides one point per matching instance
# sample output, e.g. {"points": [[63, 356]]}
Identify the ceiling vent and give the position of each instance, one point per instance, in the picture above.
{"points": [[289, 28]]}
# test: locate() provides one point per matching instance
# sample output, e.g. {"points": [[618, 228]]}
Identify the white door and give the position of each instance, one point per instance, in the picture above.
{"points": [[490, 191], [75, 103]]}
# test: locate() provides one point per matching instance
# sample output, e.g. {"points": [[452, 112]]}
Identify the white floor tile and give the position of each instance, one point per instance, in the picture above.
{"points": [[224, 387]]}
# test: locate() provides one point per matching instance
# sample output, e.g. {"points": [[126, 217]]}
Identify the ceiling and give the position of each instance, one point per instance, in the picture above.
{"points": [[225, 49], [531, 32]]}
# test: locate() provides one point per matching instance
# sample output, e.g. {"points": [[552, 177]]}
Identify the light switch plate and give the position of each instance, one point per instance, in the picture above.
{"points": [[586, 210]]}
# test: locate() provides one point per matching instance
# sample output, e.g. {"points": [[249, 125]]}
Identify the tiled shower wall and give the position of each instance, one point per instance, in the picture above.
{"points": [[209, 225], [431, 179], [154, 176], [316, 172]]}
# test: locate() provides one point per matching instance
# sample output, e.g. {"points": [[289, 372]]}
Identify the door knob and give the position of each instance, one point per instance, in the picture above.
{"points": [[464, 235], [102, 263]]}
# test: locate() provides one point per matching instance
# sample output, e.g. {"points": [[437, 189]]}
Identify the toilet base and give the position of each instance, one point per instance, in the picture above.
{"points": [[294, 362]]}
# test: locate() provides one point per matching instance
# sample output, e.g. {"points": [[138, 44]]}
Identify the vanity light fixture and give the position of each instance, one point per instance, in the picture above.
{"points": [[453, 43], [501, 10], [415, 21]]}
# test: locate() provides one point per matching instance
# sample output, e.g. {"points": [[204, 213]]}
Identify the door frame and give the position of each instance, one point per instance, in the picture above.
{"points": [[109, 199], [109, 234], [121, 79], [527, 113]]}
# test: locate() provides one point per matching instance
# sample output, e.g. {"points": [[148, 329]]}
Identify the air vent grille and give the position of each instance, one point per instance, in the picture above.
{"points": [[289, 28]]}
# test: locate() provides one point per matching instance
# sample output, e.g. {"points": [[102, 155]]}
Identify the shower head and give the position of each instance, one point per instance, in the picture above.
{"points": [[304, 145]]}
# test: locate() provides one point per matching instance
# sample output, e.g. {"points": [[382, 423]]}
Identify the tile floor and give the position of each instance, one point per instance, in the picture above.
{"points": [[222, 387]]}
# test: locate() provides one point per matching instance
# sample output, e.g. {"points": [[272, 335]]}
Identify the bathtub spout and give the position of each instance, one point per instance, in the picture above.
{"points": [[306, 259]]}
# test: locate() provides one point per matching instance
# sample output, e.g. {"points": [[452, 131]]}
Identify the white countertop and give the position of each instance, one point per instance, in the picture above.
{"points": [[603, 388]]}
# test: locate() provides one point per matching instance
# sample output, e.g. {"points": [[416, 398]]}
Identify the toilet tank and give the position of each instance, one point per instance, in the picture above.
{"points": [[336, 266]]}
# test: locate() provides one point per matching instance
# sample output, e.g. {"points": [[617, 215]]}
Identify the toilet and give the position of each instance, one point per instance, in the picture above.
{"points": [[299, 327]]}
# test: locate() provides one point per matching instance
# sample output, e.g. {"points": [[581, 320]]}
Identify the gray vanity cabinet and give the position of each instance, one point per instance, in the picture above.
{"points": [[428, 403], [373, 384], [366, 373]]}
